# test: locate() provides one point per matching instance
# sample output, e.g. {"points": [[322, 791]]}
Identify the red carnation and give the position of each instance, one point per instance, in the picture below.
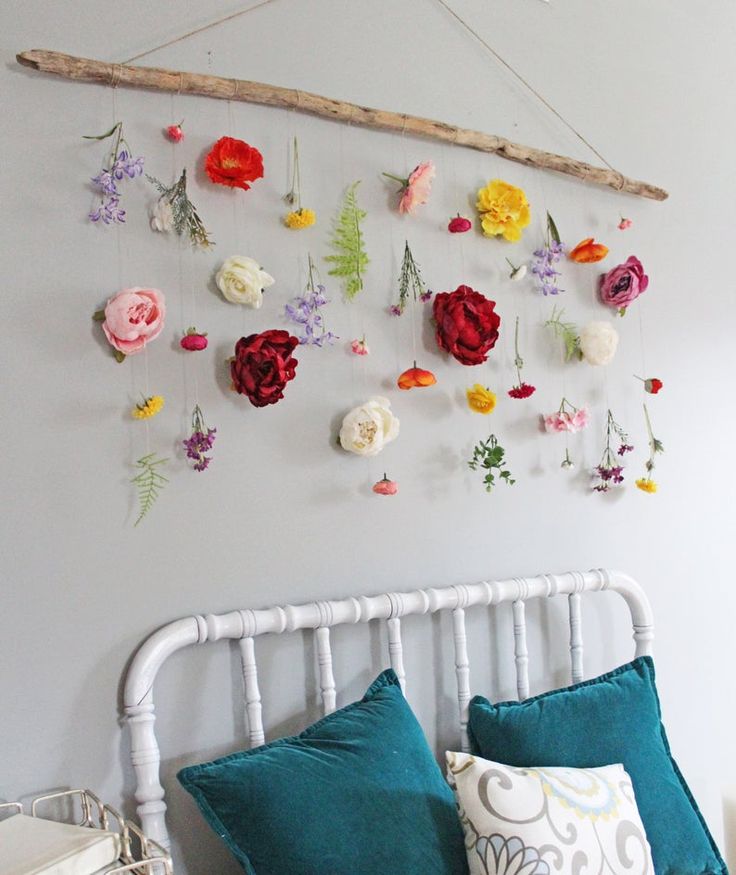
{"points": [[466, 324], [523, 390], [459, 225], [234, 163], [263, 365]]}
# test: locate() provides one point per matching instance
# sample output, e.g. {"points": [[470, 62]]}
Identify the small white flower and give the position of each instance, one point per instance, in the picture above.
{"points": [[518, 273], [242, 281], [162, 218], [598, 342], [368, 428]]}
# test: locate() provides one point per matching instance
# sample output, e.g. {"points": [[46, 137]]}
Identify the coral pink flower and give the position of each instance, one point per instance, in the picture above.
{"points": [[133, 317], [416, 188], [386, 486], [360, 347]]}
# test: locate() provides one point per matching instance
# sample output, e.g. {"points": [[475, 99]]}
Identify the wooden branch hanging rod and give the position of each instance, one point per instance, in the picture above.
{"points": [[86, 70]]}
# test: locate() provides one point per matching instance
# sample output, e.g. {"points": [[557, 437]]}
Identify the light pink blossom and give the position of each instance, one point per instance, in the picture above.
{"points": [[360, 347], [624, 224], [133, 317], [562, 420], [417, 188]]}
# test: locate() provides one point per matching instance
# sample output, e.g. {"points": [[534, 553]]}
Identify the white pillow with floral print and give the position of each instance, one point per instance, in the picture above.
{"points": [[543, 821]]}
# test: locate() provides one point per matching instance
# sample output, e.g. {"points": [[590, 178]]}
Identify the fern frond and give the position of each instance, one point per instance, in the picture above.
{"points": [[350, 259], [149, 482]]}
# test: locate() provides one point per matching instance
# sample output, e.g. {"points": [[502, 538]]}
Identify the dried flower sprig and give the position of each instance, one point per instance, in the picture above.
{"points": [[301, 217], [520, 389], [567, 332], [149, 482], [410, 282], [200, 441], [546, 257], [646, 484], [609, 472], [174, 211], [489, 456], [305, 311], [118, 166]]}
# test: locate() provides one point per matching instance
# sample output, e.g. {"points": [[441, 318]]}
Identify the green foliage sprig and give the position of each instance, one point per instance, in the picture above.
{"points": [[567, 331], [149, 482], [184, 214], [350, 259], [488, 455]]}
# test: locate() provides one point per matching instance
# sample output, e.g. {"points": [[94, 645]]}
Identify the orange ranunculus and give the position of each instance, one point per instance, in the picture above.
{"points": [[416, 378], [587, 252], [233, 163]]}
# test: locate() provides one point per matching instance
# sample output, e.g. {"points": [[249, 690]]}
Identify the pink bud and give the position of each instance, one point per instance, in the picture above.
{"points": [[175, 133], [459, 225], [624, 224], [193, 340]]}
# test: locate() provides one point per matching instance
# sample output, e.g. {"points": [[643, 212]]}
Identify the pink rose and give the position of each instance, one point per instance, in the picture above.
{"points": [[417, 188], [623, 285], [133, 317]]}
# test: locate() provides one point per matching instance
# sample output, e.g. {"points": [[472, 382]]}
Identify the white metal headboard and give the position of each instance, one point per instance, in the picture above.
{"points": [[245, 625]]}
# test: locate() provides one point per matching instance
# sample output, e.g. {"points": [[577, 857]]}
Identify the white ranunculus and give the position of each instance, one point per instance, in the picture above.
{"points": [[162, 217], [368, 428], [598, 342], [241, 281]]}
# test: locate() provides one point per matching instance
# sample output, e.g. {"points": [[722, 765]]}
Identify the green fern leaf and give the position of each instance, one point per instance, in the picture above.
{"points": [[149, 482], [350, 259]]}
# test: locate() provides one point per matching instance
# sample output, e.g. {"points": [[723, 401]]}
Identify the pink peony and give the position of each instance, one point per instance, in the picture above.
{"points": [[133, 317], [417, 188], [623, 284]]}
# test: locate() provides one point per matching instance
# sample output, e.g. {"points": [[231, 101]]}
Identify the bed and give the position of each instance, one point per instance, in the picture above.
{"points": [[246, 625]]}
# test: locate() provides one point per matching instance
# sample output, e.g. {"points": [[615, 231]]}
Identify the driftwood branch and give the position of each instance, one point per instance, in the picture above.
{"points": [[85, 70]]}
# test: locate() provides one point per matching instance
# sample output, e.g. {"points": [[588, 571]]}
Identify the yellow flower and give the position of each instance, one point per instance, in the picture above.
{"points": [[480, 399], [504, 210], [646, 485], [150, 407], [301, 218]]}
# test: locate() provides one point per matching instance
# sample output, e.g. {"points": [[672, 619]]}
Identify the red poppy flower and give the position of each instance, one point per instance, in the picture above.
{"points": [[233, 163]]}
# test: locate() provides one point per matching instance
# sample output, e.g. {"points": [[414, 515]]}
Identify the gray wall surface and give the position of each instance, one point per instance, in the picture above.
{"points": [[284, 516]]}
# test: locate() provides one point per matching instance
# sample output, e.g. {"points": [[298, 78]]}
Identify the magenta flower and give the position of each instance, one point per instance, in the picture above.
{"points": [[623, 284]]}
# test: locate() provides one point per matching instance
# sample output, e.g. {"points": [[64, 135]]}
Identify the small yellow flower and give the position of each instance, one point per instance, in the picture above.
{"points": [[481, 399], [646, 485], [504, 210], [301, 218], [150, 407]]}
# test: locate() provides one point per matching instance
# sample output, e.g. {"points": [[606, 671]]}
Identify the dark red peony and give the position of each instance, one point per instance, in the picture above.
{"points": [[234, 163], [263, 365], [466, 324]]}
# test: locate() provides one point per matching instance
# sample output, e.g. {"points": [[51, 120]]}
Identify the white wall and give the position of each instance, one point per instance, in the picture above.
{"points": [[282, 515]]}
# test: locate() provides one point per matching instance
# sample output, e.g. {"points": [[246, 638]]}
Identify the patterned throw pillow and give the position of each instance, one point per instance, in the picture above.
{"points": [[547, 820]]}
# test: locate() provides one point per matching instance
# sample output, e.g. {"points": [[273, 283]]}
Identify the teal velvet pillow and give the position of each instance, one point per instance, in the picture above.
{"points": [[358, 793], [614, 718]]}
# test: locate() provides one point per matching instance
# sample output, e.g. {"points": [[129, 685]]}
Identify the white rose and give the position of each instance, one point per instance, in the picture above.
{"points": [[241, 281], [598, 342], [162, 217], [368, 428]]}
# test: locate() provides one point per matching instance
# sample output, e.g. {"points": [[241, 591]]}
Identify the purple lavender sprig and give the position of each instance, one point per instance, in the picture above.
{"points": [[200, 441], [546, 257], [119, 166], [304, 311]]}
